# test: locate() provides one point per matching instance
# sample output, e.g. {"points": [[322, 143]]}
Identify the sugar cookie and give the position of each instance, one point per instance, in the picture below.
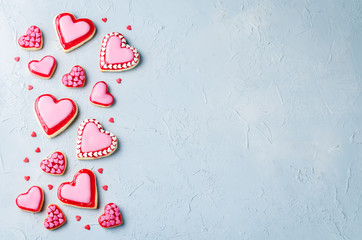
{"points": [[32, 40], [55, 164], [32, 200], [100, 95], [111, 217], [55, 219], [74, 79], [43, 68]]}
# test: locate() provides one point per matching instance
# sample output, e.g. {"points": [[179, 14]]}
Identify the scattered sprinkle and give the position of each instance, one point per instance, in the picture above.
{"points": [[27, 178], [30, 87], [111, 120], [100, 170], [119, 80], [50, 186], [105, 187], [26, 160], [33, 134], [129, 27], [78, 218], [37, 150], [87, 227], [16, 59], [104, 19]]}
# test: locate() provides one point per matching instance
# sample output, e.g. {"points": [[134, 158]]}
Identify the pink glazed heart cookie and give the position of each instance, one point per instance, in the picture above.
{"points": [[55, 164], [43, 68], [100, 95], [111, 216], [116, 55], [54, 115], [71, 32], [55, 219], [74, 79], [32, 200], [93, 141], [33, 40], [81, 192]]}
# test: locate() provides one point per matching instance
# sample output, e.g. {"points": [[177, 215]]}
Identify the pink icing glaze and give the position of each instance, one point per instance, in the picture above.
{"points": [[53, 113], [115, 53], [81, 192], [45, 66], [93, 139], [71, 30], [31, 200], [100, 95]]}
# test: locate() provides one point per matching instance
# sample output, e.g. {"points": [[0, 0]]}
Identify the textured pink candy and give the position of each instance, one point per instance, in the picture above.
{"points": [[55, 217], [55, 164], [32, 39], [75, 78], [111, 217]]}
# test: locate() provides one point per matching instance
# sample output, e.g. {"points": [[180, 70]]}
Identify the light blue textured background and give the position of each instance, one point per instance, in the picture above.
{"points": [[243, 120]]}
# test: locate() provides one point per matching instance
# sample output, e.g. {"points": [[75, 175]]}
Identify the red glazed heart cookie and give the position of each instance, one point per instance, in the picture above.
{"points": [[54, 115], [81, 192], [93, 141], [116, 55], [55, 164], [32, 200], [55, 219], [33, 40], [73, 33], [43, 68], [111, 216], [100, 95], [74, 79]]}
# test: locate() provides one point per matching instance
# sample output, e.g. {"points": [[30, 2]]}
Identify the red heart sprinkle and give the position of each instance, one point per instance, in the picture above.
{"points": [[111, 120], [26, 160], [33, 134], [30, 87], [129, 27], [50, 186], [119, 80], [104, 19], [78, 218], [100, 170], [87, 227], [27, 178], [16, 59], [105, 187], [37, 150]]}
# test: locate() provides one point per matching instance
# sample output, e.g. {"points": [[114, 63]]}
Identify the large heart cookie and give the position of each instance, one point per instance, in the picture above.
{"points": [[74, 79], [55, 219], [73, 33], [55, 164], [54, 115], [43, 68], [100, 95], [81, 192], [111, 217], [116, 55], [32, 40], [93, 141], [32, 200]]}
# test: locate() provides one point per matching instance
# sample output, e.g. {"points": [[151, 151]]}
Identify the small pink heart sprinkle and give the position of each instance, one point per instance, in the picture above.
{"points": [[105, 187], [37, 150], [119, 80], [33, 134], [87, 227], [26, 160], [30, 87], [129, 27], [111, 120], [104, 19], [78, 218], [27, 178], [50, 187], [17, 59], [100, 170]]}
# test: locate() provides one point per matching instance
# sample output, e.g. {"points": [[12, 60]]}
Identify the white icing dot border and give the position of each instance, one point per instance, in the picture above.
{"points": [[116, 67], [96, 154]]}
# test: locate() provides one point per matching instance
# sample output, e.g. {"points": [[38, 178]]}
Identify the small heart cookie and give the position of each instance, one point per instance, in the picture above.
{"points": [[71, 32], [43, 68], [93, 141], [55, 164], [54, 115], [74, 79], [55, 219], [100, 95], [32, 200], [111, 216], [32, 40], [116, 55], [81, 192]]}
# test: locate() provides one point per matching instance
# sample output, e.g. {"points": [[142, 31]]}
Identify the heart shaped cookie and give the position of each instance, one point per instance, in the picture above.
{"points": [[81, 192], [116, 55], [54, 115], [43, 68], [55, 164], [32, 200], [111, 216], [74, 79], [100, 95], [55, 219], [93, 141], [73, 33], [33, 40]]}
